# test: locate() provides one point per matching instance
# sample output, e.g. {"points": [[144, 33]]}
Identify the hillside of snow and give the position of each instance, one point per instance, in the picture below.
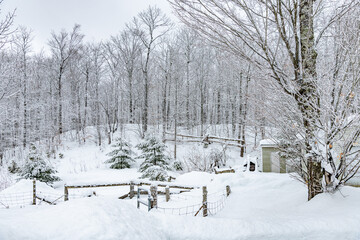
{"points": [[260, 206]]}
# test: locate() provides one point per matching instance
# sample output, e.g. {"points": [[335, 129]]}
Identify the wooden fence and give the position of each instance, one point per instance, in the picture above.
{"points": [[206, 139], [205, 206], [132, 185]]}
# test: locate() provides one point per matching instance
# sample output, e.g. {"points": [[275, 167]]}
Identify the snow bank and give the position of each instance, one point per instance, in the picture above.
{"points": [[95, 218], [261, 206], [26, 185], [195, 179]]}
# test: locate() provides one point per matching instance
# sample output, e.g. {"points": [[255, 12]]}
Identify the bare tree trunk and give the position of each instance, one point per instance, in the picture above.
{"points": [[25, 116], [146, 94], [79, 121], [308, 100], [176, 115], [163, 108], [97, 107], [131, 117], [188, 92], [60, 123], [218, 106], [85, 103]]}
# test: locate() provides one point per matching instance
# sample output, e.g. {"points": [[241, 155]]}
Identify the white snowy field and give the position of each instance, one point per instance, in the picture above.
{"points": [[261, 205]]}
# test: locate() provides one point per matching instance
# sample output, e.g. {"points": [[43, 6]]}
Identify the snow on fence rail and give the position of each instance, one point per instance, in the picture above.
{"points": [[207, 207], [217, 202], [35, 197], [208, 139], [131, 193]]}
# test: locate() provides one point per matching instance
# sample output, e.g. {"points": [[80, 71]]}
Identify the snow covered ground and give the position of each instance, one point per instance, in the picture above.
{"points": [[261, 205]]}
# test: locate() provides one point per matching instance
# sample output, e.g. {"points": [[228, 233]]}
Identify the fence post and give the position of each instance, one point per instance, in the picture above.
{"points": [[138, 197], [34, 192], [150, 202], [131, 194], [66, 193], [228, 191], [205, 209], [153, 192], [167, 193]]}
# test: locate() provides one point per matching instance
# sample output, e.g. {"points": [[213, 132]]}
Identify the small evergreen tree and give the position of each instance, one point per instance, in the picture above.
{"points": [[177, 166], [36, 167], [121, 156], [155, 161], [13, 168]]}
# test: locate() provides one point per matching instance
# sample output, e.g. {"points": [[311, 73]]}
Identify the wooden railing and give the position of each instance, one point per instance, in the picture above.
{"points": [[132, 185]]}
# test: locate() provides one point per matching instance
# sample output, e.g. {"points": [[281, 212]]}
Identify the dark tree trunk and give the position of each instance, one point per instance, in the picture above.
{"points": [[131, 117], [60, 102], [307, 99]]}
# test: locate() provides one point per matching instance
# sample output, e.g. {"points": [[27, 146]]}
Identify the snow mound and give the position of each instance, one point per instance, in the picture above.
{"points": [[26, 185], [92, 218], [195, 179]]}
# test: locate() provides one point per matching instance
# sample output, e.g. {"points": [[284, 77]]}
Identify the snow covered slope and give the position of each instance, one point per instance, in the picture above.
{"points": [[261, 206]]}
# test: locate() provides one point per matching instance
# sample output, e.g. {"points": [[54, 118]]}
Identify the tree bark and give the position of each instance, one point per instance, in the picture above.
{"points": [[307, 99]]}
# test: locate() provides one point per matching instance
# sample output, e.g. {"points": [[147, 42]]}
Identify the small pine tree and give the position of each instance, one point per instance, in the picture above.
{"points": [[177, 166], [121, 156], [36, 167], [13, 168], [155, 161]]}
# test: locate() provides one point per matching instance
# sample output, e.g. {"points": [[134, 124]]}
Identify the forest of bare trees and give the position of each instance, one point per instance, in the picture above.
{"points": [[152, 73]]}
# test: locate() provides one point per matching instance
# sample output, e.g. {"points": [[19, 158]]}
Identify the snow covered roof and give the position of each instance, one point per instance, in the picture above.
{"points": [[268, 143]]}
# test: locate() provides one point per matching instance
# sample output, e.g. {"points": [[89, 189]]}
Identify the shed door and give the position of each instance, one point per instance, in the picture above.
{"points": [[275, 162]]}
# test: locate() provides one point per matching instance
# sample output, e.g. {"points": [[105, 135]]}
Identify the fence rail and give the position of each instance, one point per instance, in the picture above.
{"points": [[208, 139], [208, 204]]}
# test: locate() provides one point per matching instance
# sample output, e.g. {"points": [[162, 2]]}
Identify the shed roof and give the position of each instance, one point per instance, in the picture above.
{"points": [[268, 143]]}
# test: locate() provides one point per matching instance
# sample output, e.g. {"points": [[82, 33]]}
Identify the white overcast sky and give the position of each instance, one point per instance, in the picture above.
{"points": [[98, 18]]}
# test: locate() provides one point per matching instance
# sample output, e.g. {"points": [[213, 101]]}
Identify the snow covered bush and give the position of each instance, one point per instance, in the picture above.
{"points": [[216, 158], [5, 178], [204, 160], [121, 156], [198, 160], [155, 161], [36, 167]]}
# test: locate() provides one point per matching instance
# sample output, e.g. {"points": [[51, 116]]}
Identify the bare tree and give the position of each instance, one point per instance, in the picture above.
{"points": [[23, 47], [281, 35], [150, 25], [127, 46], [6, 27], [189, 39], [63, 46]]}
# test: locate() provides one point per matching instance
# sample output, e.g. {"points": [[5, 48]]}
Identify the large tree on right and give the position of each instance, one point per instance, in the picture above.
{"points": [[283, 40]]}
